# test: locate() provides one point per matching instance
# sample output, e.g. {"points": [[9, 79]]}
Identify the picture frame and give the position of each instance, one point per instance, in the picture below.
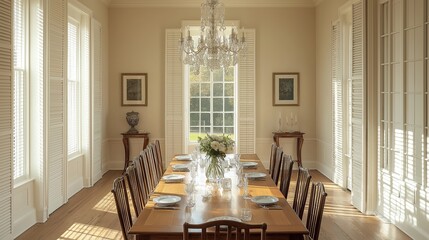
{"points": [[134, 89], [286, 89]]}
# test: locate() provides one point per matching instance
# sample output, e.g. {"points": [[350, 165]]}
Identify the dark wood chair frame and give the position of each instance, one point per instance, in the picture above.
{"points": [[143, 185], [135, 189], [315, 210], [277, 165], [222, 228], [119, 191], [286, 174], [272, 158], [301, 191]]}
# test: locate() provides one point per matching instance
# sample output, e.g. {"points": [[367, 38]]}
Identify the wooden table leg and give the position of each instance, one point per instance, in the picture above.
{"points": [[127, 152], [145, 142], [298, 150], [276, 140]]}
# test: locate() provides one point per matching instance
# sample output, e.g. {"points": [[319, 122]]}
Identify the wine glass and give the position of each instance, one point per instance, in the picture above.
{"points": [[189, 189]]}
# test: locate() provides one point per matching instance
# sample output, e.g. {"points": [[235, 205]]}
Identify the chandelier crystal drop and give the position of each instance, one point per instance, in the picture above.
{"points": [[212, 50]]}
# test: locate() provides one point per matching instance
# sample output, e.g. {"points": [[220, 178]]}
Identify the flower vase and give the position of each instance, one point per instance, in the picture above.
{"points": [[215, 170]]}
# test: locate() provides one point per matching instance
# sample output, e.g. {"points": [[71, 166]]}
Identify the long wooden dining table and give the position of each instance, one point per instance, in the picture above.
{"points": [[212, 201]]}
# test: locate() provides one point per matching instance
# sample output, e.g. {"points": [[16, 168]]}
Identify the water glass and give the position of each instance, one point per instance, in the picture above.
{"points": [[246, 214], [190, 200], [226, 184], [246, 194], [189, 187], [239, 171]]}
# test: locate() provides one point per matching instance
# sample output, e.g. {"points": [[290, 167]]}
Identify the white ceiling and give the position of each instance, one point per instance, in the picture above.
{"points": [[197, 3]]}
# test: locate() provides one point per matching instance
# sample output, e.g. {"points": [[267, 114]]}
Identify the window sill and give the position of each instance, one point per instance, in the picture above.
{"points": [[22, 182]]}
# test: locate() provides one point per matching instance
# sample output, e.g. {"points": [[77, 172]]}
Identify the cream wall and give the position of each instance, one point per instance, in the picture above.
{"points": [[285, 42], [326, 13]]}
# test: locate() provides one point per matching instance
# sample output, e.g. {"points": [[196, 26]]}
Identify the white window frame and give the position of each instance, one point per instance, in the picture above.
{"points": [[78, 114], [25, 92]]}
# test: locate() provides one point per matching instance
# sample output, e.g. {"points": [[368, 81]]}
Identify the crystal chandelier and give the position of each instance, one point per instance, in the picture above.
{"points": [[213, 50]]}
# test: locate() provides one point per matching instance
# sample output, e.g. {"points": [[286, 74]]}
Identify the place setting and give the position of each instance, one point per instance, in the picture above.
{"points": [[186, 157], [173, 178], [266, 202], [167, 202], [256, 176], [180, 168]]}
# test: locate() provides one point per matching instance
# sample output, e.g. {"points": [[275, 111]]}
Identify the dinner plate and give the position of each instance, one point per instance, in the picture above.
{"points": [[255, 175], [166, 200], [180, 167], [249, 164], [183, 157], [264, 200], [224, 218], [173, 178]]}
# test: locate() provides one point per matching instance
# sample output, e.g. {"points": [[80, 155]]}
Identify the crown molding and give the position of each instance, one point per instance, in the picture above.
{"points": [[197, 3]]}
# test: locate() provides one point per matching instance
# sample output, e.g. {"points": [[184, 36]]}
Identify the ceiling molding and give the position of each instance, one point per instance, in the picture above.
{"points": [[197, 3]]}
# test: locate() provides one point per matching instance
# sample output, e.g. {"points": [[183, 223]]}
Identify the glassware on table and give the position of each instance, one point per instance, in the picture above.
{"points": [[193, 168], [246, 194], [189, 189], [226, 184], [246, 214], [239, 171]]}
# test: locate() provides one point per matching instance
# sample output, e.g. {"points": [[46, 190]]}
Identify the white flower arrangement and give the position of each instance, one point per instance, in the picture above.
{"points": [[216, 145]]}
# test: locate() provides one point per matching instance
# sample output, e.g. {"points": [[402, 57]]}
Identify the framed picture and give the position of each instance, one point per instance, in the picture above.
{"points": [[134, 89], [285, 89]]}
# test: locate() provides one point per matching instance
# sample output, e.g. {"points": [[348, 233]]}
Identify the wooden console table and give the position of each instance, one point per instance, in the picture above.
{"points": [[125, 139], [299, 138]]}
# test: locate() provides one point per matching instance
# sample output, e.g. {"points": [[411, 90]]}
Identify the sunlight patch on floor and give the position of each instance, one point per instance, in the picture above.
{"points": [[106, 204], [79, 231]]}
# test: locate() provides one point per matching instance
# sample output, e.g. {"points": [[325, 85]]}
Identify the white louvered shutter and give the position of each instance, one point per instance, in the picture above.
{"points": [[55, 65], [357, 97], [174, 102], [247, 97], [97, 102], [337, 102], [6, 120]]}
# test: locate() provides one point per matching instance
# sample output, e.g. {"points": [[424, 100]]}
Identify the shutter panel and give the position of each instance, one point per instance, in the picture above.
{"points": [[337, 103], [6, 98], [358, 123], [97, 101], [56, 37], [246, 97], [174, 106]]}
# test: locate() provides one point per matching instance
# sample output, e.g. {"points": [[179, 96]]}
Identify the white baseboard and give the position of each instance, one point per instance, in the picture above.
{"points": [[23, 223], [74, 187]]}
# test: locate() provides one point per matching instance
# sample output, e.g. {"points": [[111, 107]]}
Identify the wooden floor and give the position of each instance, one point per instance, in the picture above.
{"points": [[91, 214]]}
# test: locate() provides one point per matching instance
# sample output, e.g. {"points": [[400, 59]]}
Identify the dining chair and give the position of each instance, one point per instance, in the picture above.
{"points": [[277, 163], [141, 179], [286, 174], [152, 162], [134, 188], [159, 155], [224, 227], [315, 209], [272, 158], [119, 191], [145, 162], [301, 191]]}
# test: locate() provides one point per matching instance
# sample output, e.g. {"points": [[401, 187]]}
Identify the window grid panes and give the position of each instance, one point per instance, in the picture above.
{"points": [[73, 101], [20, 88], [212, 102]]}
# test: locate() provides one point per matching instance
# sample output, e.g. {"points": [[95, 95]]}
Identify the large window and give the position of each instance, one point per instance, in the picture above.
{"points": [[20, 110], [212, 102], [74, 89]]}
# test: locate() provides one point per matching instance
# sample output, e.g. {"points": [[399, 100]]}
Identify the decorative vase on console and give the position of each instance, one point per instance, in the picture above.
{"points": [[133, 120], [215, 148]]}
